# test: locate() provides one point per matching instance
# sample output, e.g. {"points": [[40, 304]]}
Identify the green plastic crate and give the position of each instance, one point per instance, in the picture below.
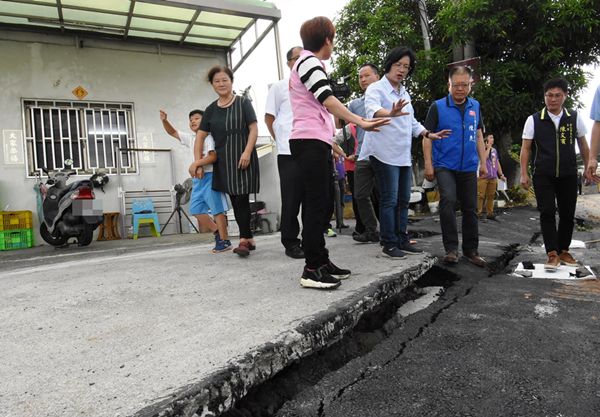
{"points": [[16, 239], [15, 220]]}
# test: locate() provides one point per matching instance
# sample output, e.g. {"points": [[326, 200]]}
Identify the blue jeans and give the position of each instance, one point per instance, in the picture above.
{"points": [[394, 186], [462, 187]]}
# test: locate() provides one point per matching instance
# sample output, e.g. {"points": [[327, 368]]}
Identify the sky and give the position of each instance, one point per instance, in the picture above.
{"points": [[260, 70]]}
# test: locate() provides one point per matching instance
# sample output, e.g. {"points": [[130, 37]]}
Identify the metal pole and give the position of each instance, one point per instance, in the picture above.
{"points": [[424, 25], [121, 196], [177, 221], [278, 52]]}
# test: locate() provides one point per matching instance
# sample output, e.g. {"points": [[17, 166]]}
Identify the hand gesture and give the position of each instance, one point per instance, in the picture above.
{"points": [[163, 115], [439, 135], [336, 157], [200, 173], [483, 171], [429, 172], [591, 172], [525, 181], [351, 158], [397, 108], [371, 125], [244, 160], [192, 169]]}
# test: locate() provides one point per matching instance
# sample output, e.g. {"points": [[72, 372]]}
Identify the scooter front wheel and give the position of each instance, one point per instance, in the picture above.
{"points": [[55, 239]]}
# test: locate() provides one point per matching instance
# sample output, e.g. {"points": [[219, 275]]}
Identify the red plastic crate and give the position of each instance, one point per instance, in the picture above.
{"points": [[15, 220], [16, 239]]}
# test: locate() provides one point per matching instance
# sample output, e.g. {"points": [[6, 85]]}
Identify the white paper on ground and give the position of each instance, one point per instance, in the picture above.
{"points": [[562, 272], [575, 244]]}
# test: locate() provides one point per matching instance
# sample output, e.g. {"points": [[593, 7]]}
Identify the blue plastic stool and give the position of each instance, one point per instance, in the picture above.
{"points": [[150, 217]]}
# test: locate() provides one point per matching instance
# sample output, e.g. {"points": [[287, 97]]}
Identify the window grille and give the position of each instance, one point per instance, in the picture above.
{"points": [[86, 133]]}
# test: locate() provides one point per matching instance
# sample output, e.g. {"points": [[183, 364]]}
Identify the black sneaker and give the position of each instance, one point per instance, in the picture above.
{"points": [[295, 252], [411, 249], [367, 237], [319, 278], [336, 272]]}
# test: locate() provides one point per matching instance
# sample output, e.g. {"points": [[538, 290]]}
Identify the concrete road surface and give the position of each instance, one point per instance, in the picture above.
{"points": [[122, 326]]}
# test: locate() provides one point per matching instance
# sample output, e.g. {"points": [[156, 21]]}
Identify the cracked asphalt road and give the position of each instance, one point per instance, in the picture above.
{"points": [[495, 345]]}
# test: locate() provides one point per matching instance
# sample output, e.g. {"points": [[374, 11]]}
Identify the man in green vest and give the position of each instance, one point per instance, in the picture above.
{"points": [[549, 139]]}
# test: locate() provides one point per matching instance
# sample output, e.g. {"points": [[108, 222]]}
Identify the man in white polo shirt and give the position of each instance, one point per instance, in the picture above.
{"points": [[279, 117]]}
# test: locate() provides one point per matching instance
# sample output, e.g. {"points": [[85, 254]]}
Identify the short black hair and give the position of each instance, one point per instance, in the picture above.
{"points": [[486, 134], [197, 111], [460, 71], [557, 82], [217, 69], [291, 52], [370, 64], [396, 55]]}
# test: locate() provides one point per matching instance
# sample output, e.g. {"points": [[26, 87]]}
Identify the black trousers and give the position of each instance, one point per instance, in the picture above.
{"points": [[360, 227], [313, 158], [291, 200], [550, 192], [241, 211]]}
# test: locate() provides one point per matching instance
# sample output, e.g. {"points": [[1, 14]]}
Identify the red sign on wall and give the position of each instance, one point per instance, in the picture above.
{"points": [[80, 92]]}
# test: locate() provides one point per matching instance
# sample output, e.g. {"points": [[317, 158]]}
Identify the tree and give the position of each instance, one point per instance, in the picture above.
{"points": [[521, 44], [367, 30]]}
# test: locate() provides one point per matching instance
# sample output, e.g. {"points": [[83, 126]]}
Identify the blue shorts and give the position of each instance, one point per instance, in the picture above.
{"points": [[206, 200]]}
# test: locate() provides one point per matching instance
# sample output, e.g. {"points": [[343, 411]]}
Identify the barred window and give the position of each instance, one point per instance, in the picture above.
{"points": [[86, 133]]}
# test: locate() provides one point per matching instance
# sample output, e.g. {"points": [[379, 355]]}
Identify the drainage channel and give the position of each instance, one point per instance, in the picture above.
{"points": [[265, 399]]}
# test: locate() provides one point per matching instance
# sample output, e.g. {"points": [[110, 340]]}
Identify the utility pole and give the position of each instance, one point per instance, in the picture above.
{"points": [[424, 24]]}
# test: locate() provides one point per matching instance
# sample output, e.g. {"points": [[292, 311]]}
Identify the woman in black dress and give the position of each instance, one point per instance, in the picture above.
{"points": [[232, 122]]}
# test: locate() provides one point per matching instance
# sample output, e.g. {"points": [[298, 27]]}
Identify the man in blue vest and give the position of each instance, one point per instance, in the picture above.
{"points": [[549, 138], [453, 162]]}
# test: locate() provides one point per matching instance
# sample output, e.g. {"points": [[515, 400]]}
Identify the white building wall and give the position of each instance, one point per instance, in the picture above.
{"points": [[37, 66]]}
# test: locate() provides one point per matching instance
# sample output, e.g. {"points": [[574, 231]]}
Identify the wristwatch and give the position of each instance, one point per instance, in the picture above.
{"points": [[427, 134]]}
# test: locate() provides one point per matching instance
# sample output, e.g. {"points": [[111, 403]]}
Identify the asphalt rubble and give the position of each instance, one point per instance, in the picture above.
{"points": [[164, 327]]}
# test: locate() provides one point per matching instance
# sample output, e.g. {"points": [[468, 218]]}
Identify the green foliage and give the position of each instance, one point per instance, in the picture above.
{"points": [[518, 195], [367, 30], [515, 151], [521, 45]]}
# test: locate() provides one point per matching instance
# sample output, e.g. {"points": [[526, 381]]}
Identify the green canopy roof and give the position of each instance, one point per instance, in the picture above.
{"points": [[195, 23]]}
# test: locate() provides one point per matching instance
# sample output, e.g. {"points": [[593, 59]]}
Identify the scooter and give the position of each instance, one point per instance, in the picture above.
{"points": [[67, 210]]}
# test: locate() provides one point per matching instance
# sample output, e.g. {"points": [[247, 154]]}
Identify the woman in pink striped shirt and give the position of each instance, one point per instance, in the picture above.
{"points": [[311, 143]]}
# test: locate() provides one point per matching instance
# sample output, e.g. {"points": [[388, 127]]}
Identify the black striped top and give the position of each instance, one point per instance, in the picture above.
{"points": [[229, 128], [313, 76]]}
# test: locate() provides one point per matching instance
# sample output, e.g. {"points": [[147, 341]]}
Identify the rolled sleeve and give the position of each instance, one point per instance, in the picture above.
{"points": [[417, 127], [372, 101], [529, 130]]}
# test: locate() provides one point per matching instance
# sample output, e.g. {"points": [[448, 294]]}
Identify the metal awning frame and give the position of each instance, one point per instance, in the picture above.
{"points": [[222, 7]]}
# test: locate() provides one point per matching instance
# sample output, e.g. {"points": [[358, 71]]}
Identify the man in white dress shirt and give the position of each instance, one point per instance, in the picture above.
{"points": [[278, 118]]}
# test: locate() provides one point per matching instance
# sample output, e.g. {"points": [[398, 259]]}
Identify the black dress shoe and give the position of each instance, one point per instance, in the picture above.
{"points": [[296, 252]]}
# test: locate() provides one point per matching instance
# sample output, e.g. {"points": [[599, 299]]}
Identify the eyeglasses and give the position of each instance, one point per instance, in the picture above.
{"points": [[556, 96], [461, 85], [403, 67], [294, 58]]}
